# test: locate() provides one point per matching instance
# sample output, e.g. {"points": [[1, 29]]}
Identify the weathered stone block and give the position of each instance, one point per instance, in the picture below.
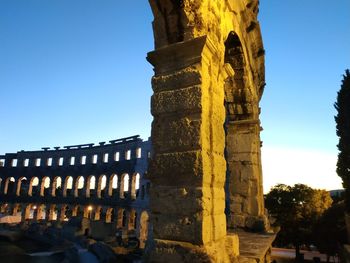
{"points": [[177, 169], [177, 80], [184, 200], [176, 134], [177, 101], [184, 228]]}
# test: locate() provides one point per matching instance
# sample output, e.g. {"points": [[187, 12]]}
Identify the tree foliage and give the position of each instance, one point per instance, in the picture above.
{"points": [[296, 210], [342, 120], [330, 230]]}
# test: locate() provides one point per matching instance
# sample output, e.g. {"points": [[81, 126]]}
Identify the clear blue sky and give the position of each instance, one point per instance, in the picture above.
{"points": [[74, 71]]}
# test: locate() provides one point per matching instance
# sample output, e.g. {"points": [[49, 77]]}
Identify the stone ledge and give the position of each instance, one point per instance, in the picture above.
{"points": [[253, 247]]}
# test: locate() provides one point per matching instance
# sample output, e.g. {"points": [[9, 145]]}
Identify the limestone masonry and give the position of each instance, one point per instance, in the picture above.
{"points": [[209, 77], [205, 177]]}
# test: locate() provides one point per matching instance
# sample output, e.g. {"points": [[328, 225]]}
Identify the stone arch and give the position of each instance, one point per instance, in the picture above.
{"points": [[124, 185], [9, 187], [65, 213], [189, 116], [144, 221], [4, 208], [77, 211], [34, 186], [101, 186], [90, 186], [68, 186], [56, 186], [41, 212], [238, 95], [52, 212], [45, 186], [22, 186], [88, 210], [113, 185], [135, 185], [79, 186], [29, 212], [242, 141]]}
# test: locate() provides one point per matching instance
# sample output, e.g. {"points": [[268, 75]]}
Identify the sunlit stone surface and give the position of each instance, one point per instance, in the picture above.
{"points": [[209, 78]]}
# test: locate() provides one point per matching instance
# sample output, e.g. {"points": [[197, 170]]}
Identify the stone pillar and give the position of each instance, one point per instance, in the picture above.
{"points": [[15, 209], [121, 186], [40, 212], [188, 169], [26, 212], [120, 218], [50, 212], [35, 212], [23, 212], [245, 183], [131, 217], [97, 213], [61, 211]]}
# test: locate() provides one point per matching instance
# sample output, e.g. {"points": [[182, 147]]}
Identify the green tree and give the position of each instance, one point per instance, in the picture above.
{"points": [[296, 209], [330, 230], [342, 120]]}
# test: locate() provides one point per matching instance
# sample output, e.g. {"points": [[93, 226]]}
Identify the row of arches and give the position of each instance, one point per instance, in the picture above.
{"points": [[122, 218], [123, 186]]}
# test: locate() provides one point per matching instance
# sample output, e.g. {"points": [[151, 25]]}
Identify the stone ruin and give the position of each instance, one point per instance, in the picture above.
{"points": [[206, 197], [209, 78]]}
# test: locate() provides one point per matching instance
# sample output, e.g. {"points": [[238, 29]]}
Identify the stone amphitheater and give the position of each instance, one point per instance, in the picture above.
{"points": [[205, 172]]}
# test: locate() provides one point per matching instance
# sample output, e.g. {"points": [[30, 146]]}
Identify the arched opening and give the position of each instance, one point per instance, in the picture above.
{"points": [[242, 138], [57, 186], [22, 186], [88, 211], [17, 210], [113, 186], [144, 220], [101, 186], [34, 187], [30, 211], [41, 212], [45, 186], [79, 186], [124, 186], [65, 213], [68, 186], [77, 211], [52, 213], [135, 185], [9, 187], [90, 186]]}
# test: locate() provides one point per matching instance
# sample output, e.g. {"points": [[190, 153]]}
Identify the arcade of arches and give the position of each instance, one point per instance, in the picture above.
{"points": [[122, 187]]}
